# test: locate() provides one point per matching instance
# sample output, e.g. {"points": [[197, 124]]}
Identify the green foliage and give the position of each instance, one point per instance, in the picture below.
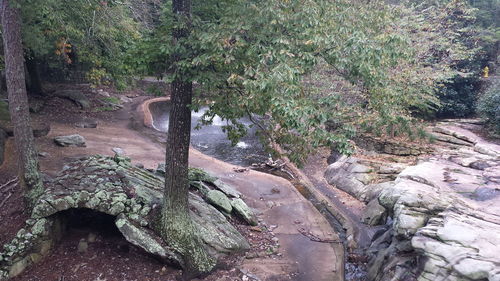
{"points": [[488, 12], [257, 65], [154, 90], [260, 59], [488, 106], [444, 38], [93, 35], [97, 76], [113, 100], [124, 83], [458, 97], [457, 41]]}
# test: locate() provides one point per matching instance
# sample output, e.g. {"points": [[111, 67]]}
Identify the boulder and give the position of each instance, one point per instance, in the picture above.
{"points": [[220, 237], [103, 93], [219, 200], [374, 213], [226, 189], [71, 140], [355, 178], [75, 96], [480, 165], [201, 187], [443, 213], [132, 195], [87, 123], [461, 242], [488, 149], [118, 151], [196, 174], [341, 175], [40, 129], [125, 99], [142, 239], [83, 246], [457, 133], [242, 210], [434, 219], [160, 169], [43, 154], [451, 139]]}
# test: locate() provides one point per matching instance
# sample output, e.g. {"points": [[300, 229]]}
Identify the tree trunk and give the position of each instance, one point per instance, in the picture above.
{"points": [[35, 83], [18, 99], [176, 225]]}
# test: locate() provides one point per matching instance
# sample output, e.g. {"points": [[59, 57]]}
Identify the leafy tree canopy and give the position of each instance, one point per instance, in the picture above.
{"points": [[264, 59], [93, 34]]}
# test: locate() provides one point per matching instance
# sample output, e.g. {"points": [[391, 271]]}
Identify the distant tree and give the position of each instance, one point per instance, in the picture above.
{"points": [[18, 100], [488, 106], [455, 40]]}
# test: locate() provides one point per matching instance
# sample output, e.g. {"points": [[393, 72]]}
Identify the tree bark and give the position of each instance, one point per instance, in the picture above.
{"points": [[18, 99], [176, 225]]}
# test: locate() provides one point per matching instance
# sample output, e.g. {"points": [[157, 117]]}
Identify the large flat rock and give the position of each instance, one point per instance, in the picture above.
{"points": [[309, 245], [446, 214], [132, 195]]}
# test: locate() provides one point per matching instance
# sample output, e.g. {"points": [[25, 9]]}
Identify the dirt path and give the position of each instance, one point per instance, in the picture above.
{"points": [[310, 249]]}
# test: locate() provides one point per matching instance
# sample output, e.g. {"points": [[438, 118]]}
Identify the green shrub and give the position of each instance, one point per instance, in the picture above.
{"points": [[457, 97], [155, 91], [123, 83], [488, 106]]}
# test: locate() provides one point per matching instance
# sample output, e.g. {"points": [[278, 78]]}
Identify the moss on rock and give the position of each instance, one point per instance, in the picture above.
{"points": [[113, 186]]}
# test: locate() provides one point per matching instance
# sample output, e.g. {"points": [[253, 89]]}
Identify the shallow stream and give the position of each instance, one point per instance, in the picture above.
{"points": [[211, 139]]}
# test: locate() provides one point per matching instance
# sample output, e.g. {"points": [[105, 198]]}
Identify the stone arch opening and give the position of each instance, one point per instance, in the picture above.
{"points": [[80, 239], [88, 224]]}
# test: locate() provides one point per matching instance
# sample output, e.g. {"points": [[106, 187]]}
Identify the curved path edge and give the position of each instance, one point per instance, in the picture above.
{"points": [[145, 112]]}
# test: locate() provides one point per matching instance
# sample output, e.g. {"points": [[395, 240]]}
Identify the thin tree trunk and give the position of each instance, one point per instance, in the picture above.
{"points": [[18, 99], [176, 225], [35, 83]]}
